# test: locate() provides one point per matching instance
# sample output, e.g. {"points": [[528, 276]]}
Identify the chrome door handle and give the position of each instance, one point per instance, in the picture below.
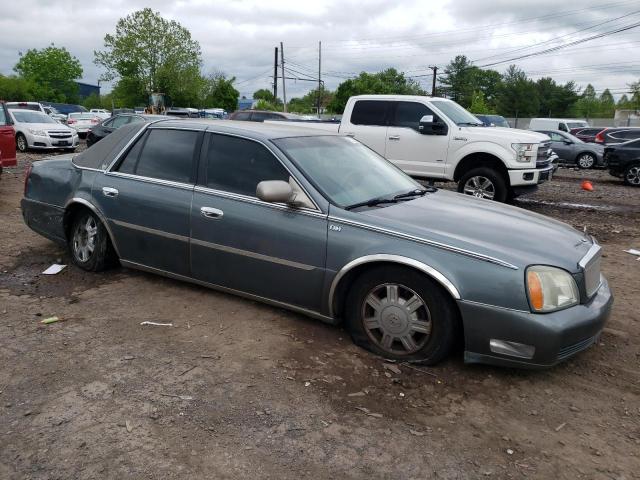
{"points": [[109, 192], [211, 212], [394, 137]]}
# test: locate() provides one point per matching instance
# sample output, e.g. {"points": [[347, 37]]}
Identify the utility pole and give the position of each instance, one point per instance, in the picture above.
{"points": [[275, 75], [319, 77], [433, 86], [284, 91]]}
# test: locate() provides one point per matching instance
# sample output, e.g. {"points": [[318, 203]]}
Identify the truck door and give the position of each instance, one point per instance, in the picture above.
{"points": [[416, 154], [368, 123]]}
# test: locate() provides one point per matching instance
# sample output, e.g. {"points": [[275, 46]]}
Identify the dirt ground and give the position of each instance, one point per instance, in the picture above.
{"points": [[236, 389]]}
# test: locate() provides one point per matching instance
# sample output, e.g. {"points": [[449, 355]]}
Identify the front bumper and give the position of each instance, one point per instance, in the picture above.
{"points": [[554, 336], [533, 176], [46, 142]]}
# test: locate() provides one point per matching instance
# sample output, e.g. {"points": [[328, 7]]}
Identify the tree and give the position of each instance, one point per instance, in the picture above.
{"points": [[14, 88], [555, 100], [607, 104], [623, 102], [517, 95], [588, 105], [150, 54], [218, 92], [389, 81], [635, 95], [478, 104], [54, 71], [264, 94]]}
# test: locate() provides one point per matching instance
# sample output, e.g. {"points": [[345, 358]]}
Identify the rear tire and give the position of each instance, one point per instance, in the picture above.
{"points": [[401, 314], [586, 160], [483, 182], [632, 175], [21, 143], [89, 242]]}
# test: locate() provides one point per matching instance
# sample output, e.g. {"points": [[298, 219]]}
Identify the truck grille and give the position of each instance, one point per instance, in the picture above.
{"points": [[591, 267], [59, 134], [544, 152]]}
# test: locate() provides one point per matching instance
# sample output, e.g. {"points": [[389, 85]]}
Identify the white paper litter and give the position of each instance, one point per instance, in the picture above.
{"points": [[54, 269], [633, 251], [157, 324]]}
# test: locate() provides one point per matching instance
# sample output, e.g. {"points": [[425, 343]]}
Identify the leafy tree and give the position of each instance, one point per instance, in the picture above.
{"points": [[607, 104], [588, 105], [54, 70], [266, 105], [218, 92], [623, 102], [517, 95], [478, 104], [264, 94], [555, 100], [309, 102], [389, 81], [150, 54], [14, 88], [635, 95], [458, 80]]}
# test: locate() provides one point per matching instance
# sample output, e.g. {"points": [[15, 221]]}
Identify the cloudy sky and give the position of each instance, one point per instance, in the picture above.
{"points": [[238, 37]]}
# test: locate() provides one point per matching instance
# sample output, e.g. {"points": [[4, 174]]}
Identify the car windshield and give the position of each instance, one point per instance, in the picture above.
{"points": [[456, 113], [27, 116], [498, 121], [344, 170]]}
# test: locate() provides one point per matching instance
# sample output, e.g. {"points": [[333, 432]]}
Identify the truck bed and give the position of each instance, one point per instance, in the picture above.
{"points": [[326, 126]]}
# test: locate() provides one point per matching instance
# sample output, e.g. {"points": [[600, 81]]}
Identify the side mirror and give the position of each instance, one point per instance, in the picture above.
{"points": [[276, 191], [568, 142], [430, 125]]}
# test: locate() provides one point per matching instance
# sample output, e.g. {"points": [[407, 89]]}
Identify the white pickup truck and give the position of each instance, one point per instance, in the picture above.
{"points": [[435, 138]]}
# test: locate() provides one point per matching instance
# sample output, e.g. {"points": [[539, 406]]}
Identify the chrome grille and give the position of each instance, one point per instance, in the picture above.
{"points": [[591, 268], [59, 134], [544, 152]]}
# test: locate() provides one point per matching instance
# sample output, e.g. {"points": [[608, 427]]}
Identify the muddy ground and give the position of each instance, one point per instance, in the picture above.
{"points": [[236, 389]]}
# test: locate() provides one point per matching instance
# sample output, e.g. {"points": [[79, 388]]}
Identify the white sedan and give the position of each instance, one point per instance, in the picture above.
{"points": [[101, 112], [83, 122], [39, 130]]}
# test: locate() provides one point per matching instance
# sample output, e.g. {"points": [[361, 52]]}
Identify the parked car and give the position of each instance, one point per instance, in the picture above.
{"points": [[39, 131], [323, 225], [262, 115], [623, 161], [492, 120], [586, 134], [435, 138], [55, 114], [562, 124], [617, 135], [182, 112], [82, 122], [139, 110], [218, 113], [101, 130], [573, 151], [65, 108], [100, 112], [34, 106], [119, 111], [7, 139]]}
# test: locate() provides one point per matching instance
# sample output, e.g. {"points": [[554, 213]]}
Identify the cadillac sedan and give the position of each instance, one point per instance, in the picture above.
{"points": [[322, 225]]}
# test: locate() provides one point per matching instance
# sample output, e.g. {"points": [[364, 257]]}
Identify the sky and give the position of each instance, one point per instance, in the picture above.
{"points": [[238, 37]]}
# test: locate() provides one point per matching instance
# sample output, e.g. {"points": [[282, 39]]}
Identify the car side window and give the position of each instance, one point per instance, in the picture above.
{"points": [[237, 165], [631, 134], [108, 123], [162, 154], [370, 112], [562, 127], [556, 137], [3, 116], [120, 121], [260, 116], [408, 114], [242, 116]]}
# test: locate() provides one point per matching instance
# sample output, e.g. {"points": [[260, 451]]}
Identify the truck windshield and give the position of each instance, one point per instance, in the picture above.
{"points": [[344, 170], [456, 113]]}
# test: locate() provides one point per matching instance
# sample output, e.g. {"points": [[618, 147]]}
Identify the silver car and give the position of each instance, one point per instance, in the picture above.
{"points": [[573, 151], [320, 224]]}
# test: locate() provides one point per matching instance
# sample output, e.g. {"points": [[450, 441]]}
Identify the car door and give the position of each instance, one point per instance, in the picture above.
{"points": [[146, 198], [417, 154], [7, 139], [242, 243], [368, 123], [561, 148]]}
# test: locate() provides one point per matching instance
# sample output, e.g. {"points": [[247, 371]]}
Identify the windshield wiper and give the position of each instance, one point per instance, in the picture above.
{"points": [[371, 203], [415, 193]]}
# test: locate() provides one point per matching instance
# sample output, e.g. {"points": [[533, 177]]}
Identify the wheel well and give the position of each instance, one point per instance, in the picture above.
{"points": [[70, 213], [476, 160], [342, 289], [583, 152]]}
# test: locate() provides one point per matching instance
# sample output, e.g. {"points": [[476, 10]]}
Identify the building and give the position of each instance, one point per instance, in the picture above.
{"points": [[86, 89]]}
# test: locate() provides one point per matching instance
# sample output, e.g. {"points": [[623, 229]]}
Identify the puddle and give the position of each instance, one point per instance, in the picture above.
{"points": [[577, 206]]}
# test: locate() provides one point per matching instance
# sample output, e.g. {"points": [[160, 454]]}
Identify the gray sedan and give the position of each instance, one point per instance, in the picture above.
{"points": [[322, 225], [571, 150]]}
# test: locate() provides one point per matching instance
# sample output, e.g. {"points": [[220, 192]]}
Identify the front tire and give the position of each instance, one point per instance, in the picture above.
{"points": [[586, 160], [21, 143], [483, 182], [401, 314], [89, 242], [632, 175]]}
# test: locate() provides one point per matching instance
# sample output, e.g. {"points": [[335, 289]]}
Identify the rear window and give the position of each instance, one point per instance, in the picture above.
{"points": [[101, 154], [25, 106], [370, 112], [242, 116]]}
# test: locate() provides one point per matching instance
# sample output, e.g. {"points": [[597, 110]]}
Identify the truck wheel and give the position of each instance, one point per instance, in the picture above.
{"points": [[632, 175], [483, 182]]}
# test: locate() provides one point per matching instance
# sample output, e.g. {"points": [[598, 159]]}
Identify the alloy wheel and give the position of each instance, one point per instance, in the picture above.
{"points": [[84, 239], [633, 176], [21, 143], [480, 187], [586, 161], [396, 319]]}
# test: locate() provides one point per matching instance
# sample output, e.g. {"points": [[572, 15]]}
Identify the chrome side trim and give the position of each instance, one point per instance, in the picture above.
{"points": [[246, 253], [157, 181], [100, 215], [257, 201], [432, 243], [152, 231], [138, 134], [480, 304], [383, 257], [250, 296]]}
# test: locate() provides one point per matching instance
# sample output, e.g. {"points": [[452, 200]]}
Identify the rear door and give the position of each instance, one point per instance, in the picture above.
{"points": [[7, 139], [417, 154], [368, 123], [147, 196]]}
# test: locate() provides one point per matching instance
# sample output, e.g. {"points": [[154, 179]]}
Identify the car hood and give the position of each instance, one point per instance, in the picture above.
{"points": [[43, 126], [504, 232], [504, 135]]}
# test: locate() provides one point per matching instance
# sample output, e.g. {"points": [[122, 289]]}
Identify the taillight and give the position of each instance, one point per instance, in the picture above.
{"points": [[69, 122], [27, 174], [600, 137]]}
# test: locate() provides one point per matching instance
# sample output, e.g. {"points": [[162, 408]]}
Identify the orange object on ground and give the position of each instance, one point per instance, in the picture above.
{"points": [[586, 185]]}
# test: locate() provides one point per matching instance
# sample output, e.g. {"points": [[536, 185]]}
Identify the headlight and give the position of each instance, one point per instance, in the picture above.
{"points": [[550, 289], [524, 151], [40, 133]]}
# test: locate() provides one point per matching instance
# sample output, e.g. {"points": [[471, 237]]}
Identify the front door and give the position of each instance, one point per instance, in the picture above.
{"points": [[560, 147], [146, 199], [245, 244], [7, 139], [416, 154]]}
